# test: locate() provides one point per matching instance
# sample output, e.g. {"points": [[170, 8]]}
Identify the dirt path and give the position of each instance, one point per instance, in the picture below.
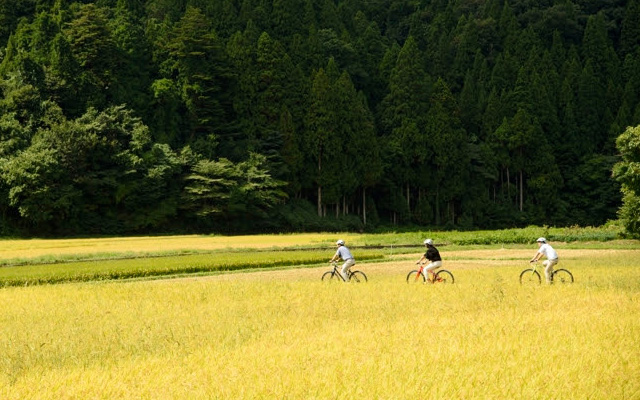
{"points": [[400, 265]]}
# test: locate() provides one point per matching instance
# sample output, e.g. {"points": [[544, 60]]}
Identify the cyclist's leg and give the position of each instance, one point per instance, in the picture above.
{"points": [[345, 268], [431, 267], [548, 268]]}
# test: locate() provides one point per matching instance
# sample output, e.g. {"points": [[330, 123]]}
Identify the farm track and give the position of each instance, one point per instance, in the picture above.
{"points": [[186, 253], [399, 265]]}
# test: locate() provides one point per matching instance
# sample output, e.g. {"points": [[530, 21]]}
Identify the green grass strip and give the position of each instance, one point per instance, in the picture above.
{"points": [[157, 266], [526, 235]]}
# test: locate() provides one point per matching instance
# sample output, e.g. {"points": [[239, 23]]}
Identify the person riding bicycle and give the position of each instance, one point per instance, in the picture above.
{"points": [[545, 249], [344, 254], [433, 255]]}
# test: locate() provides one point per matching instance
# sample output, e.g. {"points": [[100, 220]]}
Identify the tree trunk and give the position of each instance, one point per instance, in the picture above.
{"points": [[508, 184], [521, 190], [408, 201], [364, 206], [438, 206], [319, 188]]}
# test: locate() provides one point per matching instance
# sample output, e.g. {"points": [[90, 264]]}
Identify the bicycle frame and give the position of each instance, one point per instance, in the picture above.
{"points": [[431, 276], [352, 275], [534, 267], [560, 275], [422, 271], [337, 272]]}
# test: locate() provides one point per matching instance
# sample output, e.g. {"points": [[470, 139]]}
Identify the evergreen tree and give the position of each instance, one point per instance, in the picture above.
{"points": [[241, 50], [203, 77], [291, 152], [94, 50], [630, 32], [287, 19], [448, 142], [467, 45], [590, 108], [277, 90], [321, 140], [133, 71], [403, 117]]}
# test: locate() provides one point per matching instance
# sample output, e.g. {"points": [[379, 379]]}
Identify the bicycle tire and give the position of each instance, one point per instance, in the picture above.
{"points": [[444, 276], [530, 277], [358, 277], [414, 277], [562, 276], [330, 276]]}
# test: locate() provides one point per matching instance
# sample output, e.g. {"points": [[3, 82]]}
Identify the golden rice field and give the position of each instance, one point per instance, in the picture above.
{"points": [[283, 334], [31, 248]]}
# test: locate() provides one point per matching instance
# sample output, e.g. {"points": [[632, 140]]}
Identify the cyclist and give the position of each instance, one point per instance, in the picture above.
{"points": [[545, 249], [344, 254], [433, 255]]}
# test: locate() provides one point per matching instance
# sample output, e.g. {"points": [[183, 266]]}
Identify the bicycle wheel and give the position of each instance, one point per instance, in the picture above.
{"points": [[330, 276], [415, 276], [562, 276], [530, 277], [358, 277], [444, 276]]}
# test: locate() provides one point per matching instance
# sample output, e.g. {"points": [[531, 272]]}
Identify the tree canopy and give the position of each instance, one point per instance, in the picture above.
{"points": [[238, 116]]}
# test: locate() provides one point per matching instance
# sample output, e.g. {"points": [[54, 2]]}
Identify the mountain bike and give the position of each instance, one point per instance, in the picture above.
{"points": [[418, 276], [531, 276], [335, 275]]}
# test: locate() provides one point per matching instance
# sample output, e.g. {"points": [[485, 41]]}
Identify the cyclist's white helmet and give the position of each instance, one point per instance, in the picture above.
{"points": [[340, 242], [428, 241], [541, 240]]}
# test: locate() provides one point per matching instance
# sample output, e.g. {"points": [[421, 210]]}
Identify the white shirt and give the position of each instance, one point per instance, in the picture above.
{"points": [[344, 253], [548, 251]]}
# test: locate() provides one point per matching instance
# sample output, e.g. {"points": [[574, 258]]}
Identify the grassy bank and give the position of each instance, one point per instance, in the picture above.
{"points": [[83, 271]]}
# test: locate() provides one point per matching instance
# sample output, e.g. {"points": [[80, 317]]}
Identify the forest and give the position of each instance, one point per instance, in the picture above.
{"points": [[238, 116]]}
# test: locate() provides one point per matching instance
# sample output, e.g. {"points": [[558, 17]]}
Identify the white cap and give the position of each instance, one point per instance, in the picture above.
{"points": [[541, 239], [428, 241]]}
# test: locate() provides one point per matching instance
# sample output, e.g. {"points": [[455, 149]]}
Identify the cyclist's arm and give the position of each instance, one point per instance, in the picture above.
{"points": [[421, 259]]}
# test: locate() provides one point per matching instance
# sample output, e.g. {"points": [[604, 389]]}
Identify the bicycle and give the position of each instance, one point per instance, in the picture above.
{"points": [[335, 275], [531, 276], [418, 276]]}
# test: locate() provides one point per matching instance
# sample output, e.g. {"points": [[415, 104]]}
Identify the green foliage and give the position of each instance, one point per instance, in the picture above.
{"points": [[223, 190], [94, 51], [630, 212], [197, 58], [87, 172], [337, 96], [627, 172], [526, 235]]}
